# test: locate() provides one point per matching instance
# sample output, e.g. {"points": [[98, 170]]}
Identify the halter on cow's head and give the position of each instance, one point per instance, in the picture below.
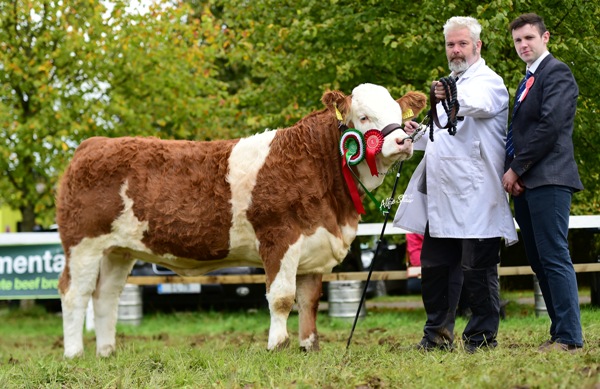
{"points": [[372, 138]]}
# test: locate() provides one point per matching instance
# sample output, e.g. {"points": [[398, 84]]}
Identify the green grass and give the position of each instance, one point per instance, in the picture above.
{"points": [[228, 350]]}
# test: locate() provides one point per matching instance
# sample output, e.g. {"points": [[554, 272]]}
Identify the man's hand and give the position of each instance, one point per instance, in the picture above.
{"points": [[440, 93], [410, 127], [512, 183]]}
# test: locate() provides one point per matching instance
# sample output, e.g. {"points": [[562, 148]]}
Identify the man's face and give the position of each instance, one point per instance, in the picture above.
{"points": [[461, 51], [529, 43]]}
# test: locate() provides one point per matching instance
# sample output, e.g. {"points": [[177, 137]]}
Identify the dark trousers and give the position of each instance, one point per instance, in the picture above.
{"points": [[449, 266], [543, 217]]}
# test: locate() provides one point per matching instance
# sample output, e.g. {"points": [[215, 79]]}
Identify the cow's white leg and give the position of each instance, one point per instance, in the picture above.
{"points": [[113, 276], [280, 295], [308, 293], [77, 284], [281, 302], [73, 317]]}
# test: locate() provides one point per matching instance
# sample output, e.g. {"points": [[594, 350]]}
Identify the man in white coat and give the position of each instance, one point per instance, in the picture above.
{"points": [[456, 199]]}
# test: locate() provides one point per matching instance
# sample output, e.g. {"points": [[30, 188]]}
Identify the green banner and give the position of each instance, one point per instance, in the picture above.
{"points": [[30, 272]]}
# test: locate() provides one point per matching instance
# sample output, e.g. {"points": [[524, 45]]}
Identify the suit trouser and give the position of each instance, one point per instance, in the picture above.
{"points": [[543, 217], [449, 265]]}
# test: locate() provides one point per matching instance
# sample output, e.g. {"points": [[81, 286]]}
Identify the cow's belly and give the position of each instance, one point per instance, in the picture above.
{"points": [[316, 253], [319, 252], [185, 266]]}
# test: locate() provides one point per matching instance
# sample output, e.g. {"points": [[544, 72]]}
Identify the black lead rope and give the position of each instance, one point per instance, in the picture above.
{"points": [[385, 220], [450, 104]]}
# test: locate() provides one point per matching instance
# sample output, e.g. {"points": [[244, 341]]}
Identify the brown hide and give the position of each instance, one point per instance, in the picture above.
{"points": [[177, 186], [300, 188]]}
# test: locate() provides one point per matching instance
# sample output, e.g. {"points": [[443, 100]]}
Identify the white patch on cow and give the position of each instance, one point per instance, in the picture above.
{"points": [[247, 158], [322, 250], [308, 343]]}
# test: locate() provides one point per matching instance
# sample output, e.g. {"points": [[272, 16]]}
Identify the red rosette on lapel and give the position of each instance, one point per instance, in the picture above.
{"points": [[528, 85], [373, 143]]}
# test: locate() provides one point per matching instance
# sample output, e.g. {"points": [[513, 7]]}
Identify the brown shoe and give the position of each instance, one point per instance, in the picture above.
{"points": [[556, 346], [545, 345]]}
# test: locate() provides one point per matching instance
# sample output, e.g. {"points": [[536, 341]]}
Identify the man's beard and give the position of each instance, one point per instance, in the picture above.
{"points": [[458, 65]]}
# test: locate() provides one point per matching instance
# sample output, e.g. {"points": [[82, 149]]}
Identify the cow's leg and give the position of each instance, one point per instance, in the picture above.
{"points": [[76, 284], [308, 293], [281, 291], [280, 296], [113, 276]]}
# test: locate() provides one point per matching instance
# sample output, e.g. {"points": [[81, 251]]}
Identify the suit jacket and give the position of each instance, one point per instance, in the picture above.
{"points": [[543, 129]]}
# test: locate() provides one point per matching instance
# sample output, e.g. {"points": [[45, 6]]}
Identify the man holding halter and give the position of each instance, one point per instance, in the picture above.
{"points": [[456, 199]]}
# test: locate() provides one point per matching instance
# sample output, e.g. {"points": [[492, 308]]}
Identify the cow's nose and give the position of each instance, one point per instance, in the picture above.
{"points": [[401, 141]]}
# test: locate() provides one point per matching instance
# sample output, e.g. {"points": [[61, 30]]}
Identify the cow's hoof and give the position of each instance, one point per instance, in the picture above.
{"points": [[281, 346], [71, 355], [310, 344], [105, 351], [310, 349]]}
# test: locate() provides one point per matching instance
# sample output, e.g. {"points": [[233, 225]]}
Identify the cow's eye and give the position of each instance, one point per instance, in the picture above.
{"points": [[364, 118]]}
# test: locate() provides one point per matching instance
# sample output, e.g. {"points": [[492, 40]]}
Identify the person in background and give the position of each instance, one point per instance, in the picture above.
{"points": [[456, 200], [542, 175], [414, 244]]}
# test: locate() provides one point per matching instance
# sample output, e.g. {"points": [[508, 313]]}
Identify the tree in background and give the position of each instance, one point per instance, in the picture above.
{"points": [[232, 68], [285, 54], [71, 70]]}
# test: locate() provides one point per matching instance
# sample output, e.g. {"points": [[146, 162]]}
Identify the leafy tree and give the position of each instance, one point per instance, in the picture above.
{"points": [[71, 70], [291, 52]]}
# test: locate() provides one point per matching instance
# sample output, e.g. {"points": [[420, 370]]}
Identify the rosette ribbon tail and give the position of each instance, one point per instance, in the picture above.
{"points": [[370, 157], [373, 145], [349, 177]]}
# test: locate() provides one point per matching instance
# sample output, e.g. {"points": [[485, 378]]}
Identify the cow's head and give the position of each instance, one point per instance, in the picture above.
{"points": [[371, 107]]}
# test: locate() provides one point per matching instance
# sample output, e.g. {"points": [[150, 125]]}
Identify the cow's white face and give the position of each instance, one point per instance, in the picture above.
{"points": [[374, 108]]}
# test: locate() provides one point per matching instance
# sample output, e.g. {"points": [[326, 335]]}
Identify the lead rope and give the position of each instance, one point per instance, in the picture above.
{"points": [[450, 105]]}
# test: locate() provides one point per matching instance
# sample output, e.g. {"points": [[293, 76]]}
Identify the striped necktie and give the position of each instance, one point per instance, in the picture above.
{"points": [[510, 148]]}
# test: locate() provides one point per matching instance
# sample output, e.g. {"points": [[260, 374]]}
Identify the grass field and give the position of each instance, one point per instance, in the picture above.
{"points": [[228, 350]]}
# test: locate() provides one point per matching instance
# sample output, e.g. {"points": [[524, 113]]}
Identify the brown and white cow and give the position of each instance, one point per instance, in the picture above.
{"points": [[276, 200]]}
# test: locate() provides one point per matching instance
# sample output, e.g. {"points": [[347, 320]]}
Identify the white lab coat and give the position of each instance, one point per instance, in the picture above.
{"points": [[465, 197]]}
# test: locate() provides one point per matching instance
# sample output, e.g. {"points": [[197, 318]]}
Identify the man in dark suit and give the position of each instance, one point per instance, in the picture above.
{"points": [[541, 175]]}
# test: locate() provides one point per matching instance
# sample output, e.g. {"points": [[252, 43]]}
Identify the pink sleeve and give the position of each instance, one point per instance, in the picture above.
{"points": [[414, 242]]}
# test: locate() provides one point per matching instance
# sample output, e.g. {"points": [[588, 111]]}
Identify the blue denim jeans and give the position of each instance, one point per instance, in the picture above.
{"points": [[543, 217]]}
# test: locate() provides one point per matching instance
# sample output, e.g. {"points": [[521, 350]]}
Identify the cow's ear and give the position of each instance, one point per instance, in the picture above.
{"points": [[332, 99], [414, 101]]}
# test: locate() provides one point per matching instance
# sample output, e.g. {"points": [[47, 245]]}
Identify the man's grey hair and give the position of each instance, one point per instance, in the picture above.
{"points": [[458, 22]]}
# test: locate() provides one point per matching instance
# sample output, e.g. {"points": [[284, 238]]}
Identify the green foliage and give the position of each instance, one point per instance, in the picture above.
{"points": [[210, 69], [71, 70], [291, 52]]}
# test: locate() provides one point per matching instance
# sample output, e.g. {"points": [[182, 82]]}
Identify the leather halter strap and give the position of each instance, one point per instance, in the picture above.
{"points": [[390, 128]]}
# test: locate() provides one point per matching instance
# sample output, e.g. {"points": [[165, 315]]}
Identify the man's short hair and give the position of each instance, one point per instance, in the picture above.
{"points": [[458, 22], [530, 18]]}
